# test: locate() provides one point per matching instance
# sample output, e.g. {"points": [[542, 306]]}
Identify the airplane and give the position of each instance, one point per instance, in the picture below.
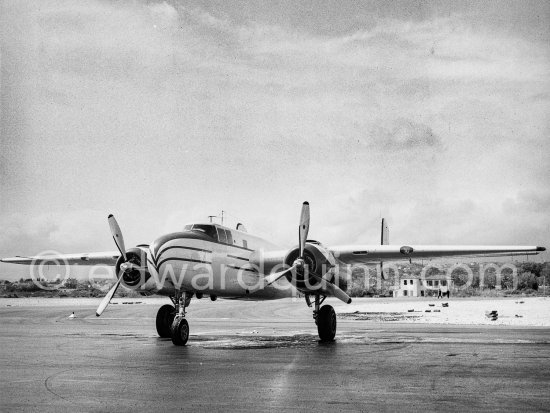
{"points": [[215, 260]]}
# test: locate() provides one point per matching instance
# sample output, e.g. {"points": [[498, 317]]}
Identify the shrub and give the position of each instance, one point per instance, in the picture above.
{"points": [[527, 280]]}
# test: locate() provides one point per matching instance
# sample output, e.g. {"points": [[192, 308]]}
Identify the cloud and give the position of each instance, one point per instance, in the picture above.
{"points": [[406, 134], [534, 203], [166, 16], [68, 232]]}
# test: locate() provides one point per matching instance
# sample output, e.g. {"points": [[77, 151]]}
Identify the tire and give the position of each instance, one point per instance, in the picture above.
{"points": [[165, 318], [180, 331], [326, 323]]}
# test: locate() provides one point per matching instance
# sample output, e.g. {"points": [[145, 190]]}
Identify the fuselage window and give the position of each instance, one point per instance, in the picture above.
{"points": [[209, 230], [411, 282], [404, 282], [221, 235], [229, 237], [245, 244]]}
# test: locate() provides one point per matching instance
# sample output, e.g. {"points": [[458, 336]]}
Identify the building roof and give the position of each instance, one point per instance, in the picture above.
{"points": [[428, 277]]}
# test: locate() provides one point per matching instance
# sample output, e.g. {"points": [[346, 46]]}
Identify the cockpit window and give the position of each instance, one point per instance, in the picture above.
{"points": [[188, 227], [229, 237], [209, 230], [221, 235]]}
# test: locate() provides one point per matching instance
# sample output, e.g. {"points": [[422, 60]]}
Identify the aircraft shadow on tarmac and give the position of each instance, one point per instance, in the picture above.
{"points": [[250, 342]]}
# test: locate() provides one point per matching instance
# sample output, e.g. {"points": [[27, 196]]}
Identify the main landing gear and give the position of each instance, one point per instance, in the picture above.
{"points": [[171, 322], [165, 317], [180, 327], [325, 318]]}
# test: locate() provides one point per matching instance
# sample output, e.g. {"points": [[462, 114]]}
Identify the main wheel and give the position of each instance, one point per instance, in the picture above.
{"points": [[326, 323], [180, 331], [165, 318]]}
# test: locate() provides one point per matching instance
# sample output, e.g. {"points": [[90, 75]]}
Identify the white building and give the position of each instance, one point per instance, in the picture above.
{"points": [[422, 287]]}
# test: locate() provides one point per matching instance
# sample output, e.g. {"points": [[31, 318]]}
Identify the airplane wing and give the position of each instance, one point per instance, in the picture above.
{"points": [[370, 254], [93, 258]]}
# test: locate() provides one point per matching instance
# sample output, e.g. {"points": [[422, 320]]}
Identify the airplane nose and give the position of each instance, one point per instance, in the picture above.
{"points": [[157, 246]]}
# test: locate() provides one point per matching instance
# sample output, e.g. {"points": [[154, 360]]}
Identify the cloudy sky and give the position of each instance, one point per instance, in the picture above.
{"points": [[431, 114]]}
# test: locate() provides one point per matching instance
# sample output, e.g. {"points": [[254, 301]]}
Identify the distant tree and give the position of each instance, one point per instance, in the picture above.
{"points": [[475, 281], [71, 283], [459, 277], [527, 280], [532, 267], [489, 278], [545, 273], [433, 272], [507, 279]]}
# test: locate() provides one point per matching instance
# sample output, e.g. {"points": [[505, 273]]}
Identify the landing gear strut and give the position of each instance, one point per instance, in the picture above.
{"points": [[325, 318], [180, 327]]}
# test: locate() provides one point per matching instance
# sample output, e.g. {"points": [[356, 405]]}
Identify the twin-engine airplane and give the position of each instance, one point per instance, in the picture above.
{"points": [[218, 261]]}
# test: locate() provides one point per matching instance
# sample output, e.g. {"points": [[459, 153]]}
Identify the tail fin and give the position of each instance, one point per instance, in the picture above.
{"points": [[385, 235], [384, 240]]}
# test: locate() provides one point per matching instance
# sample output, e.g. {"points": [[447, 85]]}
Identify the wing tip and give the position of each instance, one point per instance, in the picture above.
{"points": [[97, 314], [306, 203], [110, 216], [541, 249]]}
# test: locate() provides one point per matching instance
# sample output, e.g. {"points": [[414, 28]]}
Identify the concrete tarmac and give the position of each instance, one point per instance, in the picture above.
{"points": [[264, 356]]}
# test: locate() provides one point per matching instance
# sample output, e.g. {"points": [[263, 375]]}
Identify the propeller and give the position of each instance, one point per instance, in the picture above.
{"points": [[126, 266], [107, 299], [303, 230], [117, 236], [271, 278], [333, 289], [299, 263]]}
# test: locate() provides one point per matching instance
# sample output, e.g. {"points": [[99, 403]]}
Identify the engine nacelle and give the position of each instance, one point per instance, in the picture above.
{"points": [[318, 263], [134, 279]]}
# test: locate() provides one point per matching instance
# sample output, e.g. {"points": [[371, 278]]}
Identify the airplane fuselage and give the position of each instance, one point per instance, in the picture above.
{"points": [[210, 259]]}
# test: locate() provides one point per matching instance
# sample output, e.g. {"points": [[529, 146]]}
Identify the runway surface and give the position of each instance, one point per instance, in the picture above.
{"points": [[246, 356]]}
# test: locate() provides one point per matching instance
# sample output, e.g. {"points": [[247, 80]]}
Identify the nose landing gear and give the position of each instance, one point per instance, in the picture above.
{"points": [[180, 326], [171, 322], [325, 318], [326, 323]]}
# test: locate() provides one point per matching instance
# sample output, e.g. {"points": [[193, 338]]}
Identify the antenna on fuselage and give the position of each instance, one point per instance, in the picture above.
{"points": [[211, 217]]}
